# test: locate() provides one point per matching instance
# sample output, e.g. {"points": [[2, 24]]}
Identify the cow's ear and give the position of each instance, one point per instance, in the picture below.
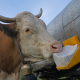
{"points": [[8, 29]]}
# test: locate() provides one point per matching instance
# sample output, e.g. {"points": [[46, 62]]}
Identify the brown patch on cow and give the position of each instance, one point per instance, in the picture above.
{"points": [[11, 26], [8, 29], [9, 58]]}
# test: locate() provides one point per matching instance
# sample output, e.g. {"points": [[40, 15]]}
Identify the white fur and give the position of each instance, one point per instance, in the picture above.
{"points": [[6, 76]]}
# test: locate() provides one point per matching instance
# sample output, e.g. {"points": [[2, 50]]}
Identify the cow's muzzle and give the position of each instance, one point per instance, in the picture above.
{"points": [[56, 48]]}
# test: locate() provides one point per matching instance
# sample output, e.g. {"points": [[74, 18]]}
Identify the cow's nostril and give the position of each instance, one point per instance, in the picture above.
{"points": [[56, 48]]}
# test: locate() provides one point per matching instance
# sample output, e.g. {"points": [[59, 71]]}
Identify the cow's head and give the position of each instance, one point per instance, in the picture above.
{"points": [[35, 42]]}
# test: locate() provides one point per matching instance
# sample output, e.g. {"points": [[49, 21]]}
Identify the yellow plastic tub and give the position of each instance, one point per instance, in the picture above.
{"points": [[76, 57]]}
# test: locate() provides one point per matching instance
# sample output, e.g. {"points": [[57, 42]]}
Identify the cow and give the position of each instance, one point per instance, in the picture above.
{"points": [[35, 43]]}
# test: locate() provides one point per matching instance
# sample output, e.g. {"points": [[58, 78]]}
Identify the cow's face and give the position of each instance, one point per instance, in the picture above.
{"points": [[35, 42]]}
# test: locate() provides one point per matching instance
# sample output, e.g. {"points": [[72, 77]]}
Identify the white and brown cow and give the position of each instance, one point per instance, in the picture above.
{"points": [[35, 42]]}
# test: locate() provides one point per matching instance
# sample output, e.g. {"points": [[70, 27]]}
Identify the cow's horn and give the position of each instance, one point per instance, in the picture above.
{"points": [[7, 20], [39, 14]]}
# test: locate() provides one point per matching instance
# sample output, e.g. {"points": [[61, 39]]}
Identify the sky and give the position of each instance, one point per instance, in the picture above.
{"points": [[51, 8]]}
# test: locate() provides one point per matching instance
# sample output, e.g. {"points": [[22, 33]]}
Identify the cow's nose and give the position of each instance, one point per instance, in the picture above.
{"points": [[56, 48]]}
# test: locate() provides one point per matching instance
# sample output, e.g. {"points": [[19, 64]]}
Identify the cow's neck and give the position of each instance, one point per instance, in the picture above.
{"points": [[9, 59], [14, 75]]}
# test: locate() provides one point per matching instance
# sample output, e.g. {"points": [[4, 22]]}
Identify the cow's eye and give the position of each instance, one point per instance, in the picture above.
{"points": [[27, 30]]}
